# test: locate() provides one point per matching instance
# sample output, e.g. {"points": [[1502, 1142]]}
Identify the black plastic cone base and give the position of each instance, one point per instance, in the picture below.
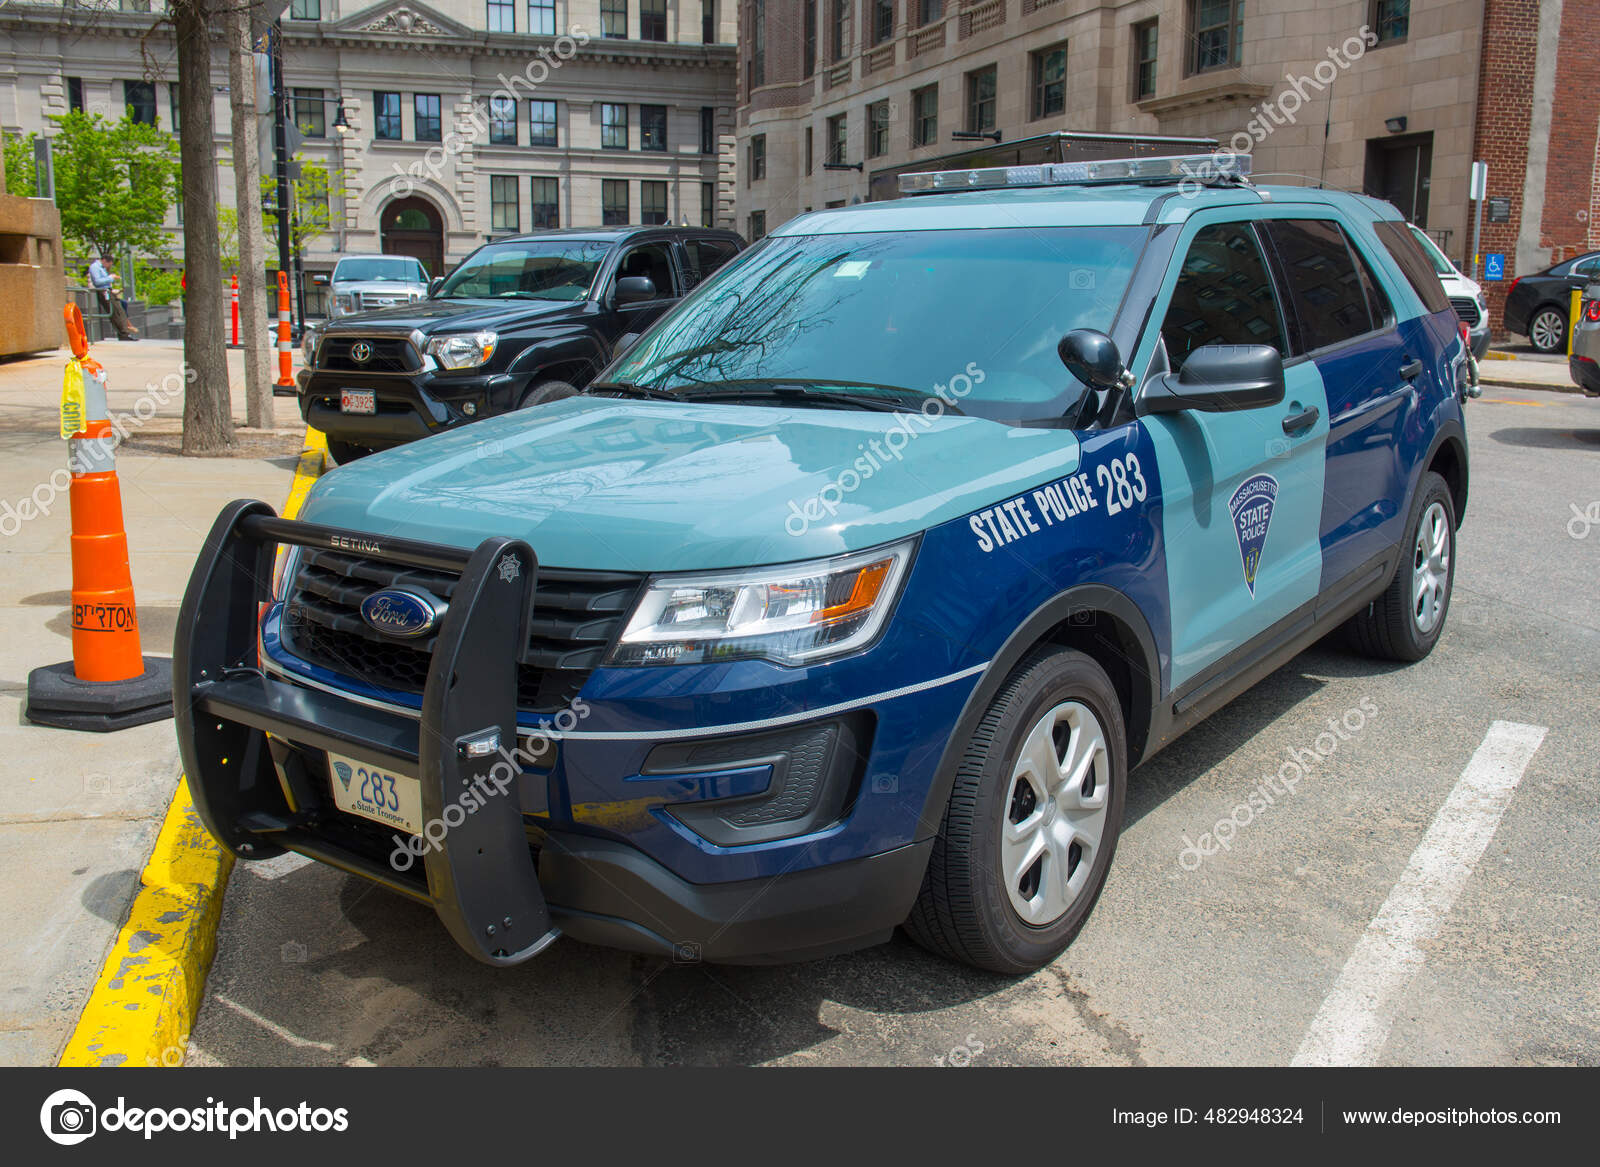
{"points": [[56, 697]]}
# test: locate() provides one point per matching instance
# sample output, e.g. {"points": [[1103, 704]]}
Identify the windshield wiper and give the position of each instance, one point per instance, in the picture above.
{"points": [[882, 398], [629, 389]]}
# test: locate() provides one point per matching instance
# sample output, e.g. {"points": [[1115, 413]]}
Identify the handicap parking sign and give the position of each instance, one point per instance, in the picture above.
{"points": [[1494, 267]]}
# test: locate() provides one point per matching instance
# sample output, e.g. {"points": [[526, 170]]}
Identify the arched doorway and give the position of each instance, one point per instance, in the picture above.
{"points": [[412, 226]]}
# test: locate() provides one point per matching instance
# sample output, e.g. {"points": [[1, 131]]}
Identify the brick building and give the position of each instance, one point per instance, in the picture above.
{"points": [[1394, 97]]}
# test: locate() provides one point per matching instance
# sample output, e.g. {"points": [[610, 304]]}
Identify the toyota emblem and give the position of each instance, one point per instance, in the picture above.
{"points": [[361, 352]]}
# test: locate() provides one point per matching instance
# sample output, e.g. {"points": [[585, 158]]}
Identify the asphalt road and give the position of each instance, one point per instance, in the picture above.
{"points": [[1492, 962]]}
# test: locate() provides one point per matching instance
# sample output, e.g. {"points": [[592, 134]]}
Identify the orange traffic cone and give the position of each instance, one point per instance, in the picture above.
{"points": [[108, 683], [285, 348]]}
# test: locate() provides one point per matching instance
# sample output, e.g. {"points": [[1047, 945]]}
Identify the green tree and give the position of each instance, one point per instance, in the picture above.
{"points": [[19, 164], [313, 195], [115, 182]]}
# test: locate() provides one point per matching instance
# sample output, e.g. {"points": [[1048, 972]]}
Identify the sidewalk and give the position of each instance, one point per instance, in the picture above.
{"points": [[1526, 371], [81, 810]]}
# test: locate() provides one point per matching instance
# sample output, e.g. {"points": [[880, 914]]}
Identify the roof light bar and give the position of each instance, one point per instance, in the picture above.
{"points": [[1205, 169]]}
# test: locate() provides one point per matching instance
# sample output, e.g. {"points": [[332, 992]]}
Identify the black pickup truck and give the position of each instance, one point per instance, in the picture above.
{"points": [[522, 320]]}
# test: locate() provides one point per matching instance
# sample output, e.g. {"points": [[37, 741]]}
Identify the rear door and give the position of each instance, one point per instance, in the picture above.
{"points": [[1345, 325]]}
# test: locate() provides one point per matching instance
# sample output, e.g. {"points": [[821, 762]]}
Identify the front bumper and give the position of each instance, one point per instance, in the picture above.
{"points": [[409, 405], [1585, 372], [626, 839]]}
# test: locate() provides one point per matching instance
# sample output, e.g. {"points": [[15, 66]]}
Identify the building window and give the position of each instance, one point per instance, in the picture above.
{"points": [[172, 104], [882, 20], [503, 121], [757, 160], [929, 11], [305, 10], [708, 21], [546, 209], [808, 20], [841, 29], [652, 20], [758, 225], [426, 106], [140, 99], [613, 127], [708, 129], [811, 160], [614, 202], [542, 17], [1049, 82], [838, 135], [708, 204], [386, 116], [75, 94], [877, 129], [981, 85], [502, 16], [1390, 20], [758, 46], [925, 116], [652, 127], [1216, 28], [614, 22], [542, 123], [503, 209], [308, 113], [653, 203], [1144, 60]]}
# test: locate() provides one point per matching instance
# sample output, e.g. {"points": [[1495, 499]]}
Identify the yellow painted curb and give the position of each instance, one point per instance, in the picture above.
{"points": [[144, 1003]]}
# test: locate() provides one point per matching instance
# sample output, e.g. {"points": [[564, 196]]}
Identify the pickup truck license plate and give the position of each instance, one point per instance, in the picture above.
{"points": [[357, 401], [364, 789]]}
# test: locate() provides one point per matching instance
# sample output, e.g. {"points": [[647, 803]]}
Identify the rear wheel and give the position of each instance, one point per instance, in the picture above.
{"points": [[1032, 822], [1547, 330], [1404, 623], [342, 452]]}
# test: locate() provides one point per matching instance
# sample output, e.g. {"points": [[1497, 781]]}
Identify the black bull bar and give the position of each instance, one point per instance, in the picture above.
{"points": [[481, 878]]}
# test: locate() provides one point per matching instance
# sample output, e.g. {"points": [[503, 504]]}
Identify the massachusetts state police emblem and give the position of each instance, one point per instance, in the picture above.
{"points": [[1251, 507]]}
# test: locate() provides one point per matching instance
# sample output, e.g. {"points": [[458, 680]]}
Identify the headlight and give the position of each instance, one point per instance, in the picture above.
{"points": [[344, 302], [467, 351], [792, 614]]}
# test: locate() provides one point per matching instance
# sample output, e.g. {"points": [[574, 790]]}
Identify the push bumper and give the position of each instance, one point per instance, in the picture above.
{"points": [[254, 795]]}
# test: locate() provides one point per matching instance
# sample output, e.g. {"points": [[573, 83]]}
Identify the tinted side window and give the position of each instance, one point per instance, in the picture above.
{"points": [[1329, 300], [1223, 295], [1378, 305], [706, 256], [1408, 256], [654, 262]]}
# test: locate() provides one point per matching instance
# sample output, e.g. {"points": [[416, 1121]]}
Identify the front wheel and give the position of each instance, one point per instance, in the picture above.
{"points": [[1032, 821], [1547, 331]]}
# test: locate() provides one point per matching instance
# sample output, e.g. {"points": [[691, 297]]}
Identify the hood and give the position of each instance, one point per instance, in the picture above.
{"points": [[431, 316], [379, 287], [616, 485], [1457, 284]]}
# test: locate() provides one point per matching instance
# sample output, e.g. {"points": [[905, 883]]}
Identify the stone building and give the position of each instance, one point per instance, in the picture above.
{"points": [[451, 120]]}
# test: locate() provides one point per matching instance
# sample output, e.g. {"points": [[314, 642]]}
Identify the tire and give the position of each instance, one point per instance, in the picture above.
{"points": [[967, 909], [546, 391], [1547, 329], [345, 452], [1403, 623]]}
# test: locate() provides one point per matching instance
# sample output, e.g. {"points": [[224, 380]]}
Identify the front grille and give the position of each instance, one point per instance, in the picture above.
{"points": [[1466, 308], [576, 616], [389, 355], [372, 301]]}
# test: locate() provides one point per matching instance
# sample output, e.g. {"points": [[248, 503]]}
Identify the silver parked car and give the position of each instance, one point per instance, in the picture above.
{"points": [[1584, 363], [368, 283]]}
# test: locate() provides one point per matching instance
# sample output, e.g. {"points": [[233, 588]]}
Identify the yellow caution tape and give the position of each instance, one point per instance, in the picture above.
{"points": [[73, 420]]}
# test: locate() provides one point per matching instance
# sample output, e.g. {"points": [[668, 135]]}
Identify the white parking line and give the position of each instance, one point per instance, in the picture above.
{"points": [[1353, 1024]]}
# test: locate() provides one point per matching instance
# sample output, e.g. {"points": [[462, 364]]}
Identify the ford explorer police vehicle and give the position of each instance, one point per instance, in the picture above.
{"points": [[850, 595]]}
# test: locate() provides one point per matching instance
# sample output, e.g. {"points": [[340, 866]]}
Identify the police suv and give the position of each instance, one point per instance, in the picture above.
{"points": [[850, 595]]}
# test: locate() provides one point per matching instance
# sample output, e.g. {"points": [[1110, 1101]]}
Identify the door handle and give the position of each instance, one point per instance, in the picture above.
{"points": [[1411, 370], [1299, 421]]}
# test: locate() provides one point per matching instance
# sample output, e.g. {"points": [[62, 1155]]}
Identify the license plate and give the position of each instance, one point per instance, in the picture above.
{"points": [[357, 401], [374, 793]]}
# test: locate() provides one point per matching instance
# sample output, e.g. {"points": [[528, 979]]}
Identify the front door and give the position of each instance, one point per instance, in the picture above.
{"points": [[654, 262], [1241, 491]]}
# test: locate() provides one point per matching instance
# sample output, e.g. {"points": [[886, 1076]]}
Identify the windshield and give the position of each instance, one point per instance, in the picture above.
{"points": [[381, 268], [905, 310], [539, 269], [1440, 264]]}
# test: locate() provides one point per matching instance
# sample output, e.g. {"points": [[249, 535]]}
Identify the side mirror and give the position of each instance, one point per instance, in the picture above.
{"points": [[434, 285], [1219, 378], [1092, 357], [635, 289]]}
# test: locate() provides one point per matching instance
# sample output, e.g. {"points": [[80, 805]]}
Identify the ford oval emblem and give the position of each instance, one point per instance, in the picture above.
{"points": [[394, 612], [361, 352]]}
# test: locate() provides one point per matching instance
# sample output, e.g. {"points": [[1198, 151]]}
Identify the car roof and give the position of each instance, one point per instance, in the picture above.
{"points": [[1104, 205], [612, 234]]}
